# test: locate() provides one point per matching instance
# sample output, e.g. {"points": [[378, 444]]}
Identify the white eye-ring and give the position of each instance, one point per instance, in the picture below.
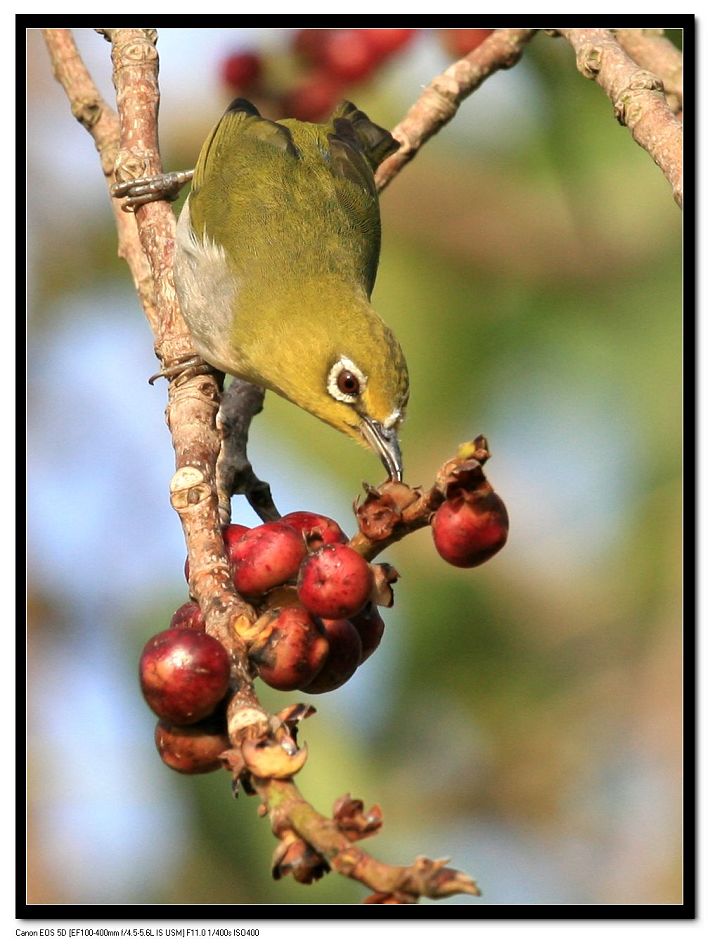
{"points": [[345, 381]]}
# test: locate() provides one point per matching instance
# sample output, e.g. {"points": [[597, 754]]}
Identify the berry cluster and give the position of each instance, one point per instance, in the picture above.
{"points": [[326, 62], [316, 596], [319, 621]]}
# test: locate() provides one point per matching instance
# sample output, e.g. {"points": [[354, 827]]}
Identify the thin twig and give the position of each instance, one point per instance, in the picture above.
{"points": [[655, 52], [637, 96], [441, 99], [100, 120]]}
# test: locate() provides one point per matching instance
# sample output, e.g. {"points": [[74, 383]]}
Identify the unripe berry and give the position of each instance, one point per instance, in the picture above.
{"points": [[291, 650], [470, 527], [316, 529], [334, 582], [189, 616], [265, 557], [369, 625], [195, 749], [184, 674], [344, 655]]}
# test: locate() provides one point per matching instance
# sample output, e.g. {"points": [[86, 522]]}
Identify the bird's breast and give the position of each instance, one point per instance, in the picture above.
{"points": [[207, 290]]}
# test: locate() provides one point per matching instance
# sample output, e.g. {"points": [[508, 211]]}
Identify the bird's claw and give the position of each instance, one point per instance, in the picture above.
{"points": [[183, 371], [159, 187]]}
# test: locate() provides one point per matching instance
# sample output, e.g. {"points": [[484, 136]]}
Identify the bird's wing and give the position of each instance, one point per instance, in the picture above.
{"points": [[353, 126], [241, 120], [357, 146], [302, 166]]}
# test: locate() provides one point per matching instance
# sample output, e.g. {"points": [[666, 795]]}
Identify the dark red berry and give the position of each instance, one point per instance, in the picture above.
{"points": [[232, 534], [184, 674], [195, 749], [310, 43], [291, 650], [470, 527], [189, 616], [265, 557], [317, 530], [242, 70], [369, 625], [344, 655], [334, 582]]}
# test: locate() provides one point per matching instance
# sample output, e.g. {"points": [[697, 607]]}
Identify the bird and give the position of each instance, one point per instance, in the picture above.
{"points": [[276, 253]]}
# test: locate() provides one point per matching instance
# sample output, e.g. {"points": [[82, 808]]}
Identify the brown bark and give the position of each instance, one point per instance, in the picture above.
{"points": [[637, 97]]}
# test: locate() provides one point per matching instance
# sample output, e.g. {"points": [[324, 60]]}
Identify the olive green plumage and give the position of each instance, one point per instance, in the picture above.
{"points": [[276, 257]]}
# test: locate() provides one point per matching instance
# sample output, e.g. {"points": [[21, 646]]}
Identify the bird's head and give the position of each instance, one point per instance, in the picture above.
{"points": [[366, 396], [346, 368]]}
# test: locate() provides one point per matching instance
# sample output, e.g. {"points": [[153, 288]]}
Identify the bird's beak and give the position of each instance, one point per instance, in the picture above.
{"points": [[384, 441]]}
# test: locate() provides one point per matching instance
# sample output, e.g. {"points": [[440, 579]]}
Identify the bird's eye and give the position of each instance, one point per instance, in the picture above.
{"points": [[348, 383], [345, 381]]}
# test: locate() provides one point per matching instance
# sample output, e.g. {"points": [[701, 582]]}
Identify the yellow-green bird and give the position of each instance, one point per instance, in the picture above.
{"points": [[277, 250]]}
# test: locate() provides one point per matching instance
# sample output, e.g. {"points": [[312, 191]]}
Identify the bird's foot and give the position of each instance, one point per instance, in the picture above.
{"points": [[257, 492], [235, 475], [160, 187], [184, 370]]}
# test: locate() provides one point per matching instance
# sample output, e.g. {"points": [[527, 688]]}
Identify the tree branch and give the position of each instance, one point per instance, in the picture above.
{"points": [[655, 52], [637, 96], [440, 101]]}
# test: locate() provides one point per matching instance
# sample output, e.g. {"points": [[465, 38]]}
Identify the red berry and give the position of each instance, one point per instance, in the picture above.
{"points": [[348, 55], [184, 674], [242, 70], [195, 749], [386, 42], [370, 626], [312, 99], [189, 616], [265, 557], [461, 42], [344, 655], [309, 43], [230, 534], [334, 582], [317, 530], [291, 650], [470, 528]]}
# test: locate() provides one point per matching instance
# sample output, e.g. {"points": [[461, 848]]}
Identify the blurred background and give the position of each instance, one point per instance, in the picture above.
{"points": [[523, 718]]}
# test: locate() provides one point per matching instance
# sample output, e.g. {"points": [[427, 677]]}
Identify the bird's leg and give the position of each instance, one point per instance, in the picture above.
{"points": [[160, 187], [235, 476]]}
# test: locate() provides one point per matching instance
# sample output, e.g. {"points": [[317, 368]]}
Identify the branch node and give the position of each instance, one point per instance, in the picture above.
{"points": [[188, 487], [589, 60], [628, 105]]}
